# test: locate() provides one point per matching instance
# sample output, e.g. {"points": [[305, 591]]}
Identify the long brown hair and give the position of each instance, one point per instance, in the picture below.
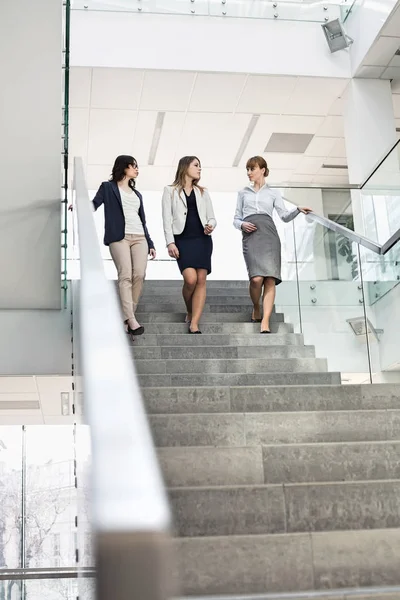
{"points": [[183, 166], [258, 161]]}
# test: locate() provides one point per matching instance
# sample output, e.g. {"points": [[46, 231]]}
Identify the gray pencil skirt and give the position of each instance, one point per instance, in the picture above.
{"points": [[262, 248]]}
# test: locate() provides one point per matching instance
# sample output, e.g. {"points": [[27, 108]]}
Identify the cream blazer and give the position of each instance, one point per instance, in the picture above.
{"points": [[174, 211]]}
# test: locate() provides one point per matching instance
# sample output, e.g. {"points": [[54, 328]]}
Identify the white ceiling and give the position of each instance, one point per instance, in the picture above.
{"points": [[381, 61], [114, 111]]}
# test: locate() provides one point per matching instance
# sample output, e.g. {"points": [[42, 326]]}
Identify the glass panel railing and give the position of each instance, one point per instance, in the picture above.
{"points": [[330, 296], [380, 198], [65, 139], [289, 10]]}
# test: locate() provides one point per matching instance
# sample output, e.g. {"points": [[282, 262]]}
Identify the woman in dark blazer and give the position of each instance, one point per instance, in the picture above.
{"points": [[126, 234]]}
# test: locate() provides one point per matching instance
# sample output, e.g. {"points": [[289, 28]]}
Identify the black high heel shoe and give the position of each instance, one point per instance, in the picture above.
{"points": [[137, 331]]}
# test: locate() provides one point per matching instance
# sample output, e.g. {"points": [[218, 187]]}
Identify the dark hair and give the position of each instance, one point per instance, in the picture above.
{"points": [[183, 165], [258, 161], [118, 172]]}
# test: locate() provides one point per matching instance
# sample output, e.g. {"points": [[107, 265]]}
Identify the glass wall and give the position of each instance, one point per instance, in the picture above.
{"points": [[39, 509], [292, 10]]}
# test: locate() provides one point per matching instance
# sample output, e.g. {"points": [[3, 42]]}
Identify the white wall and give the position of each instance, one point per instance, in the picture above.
{"points": [[232, 45], [35, 342], [30, 154]]}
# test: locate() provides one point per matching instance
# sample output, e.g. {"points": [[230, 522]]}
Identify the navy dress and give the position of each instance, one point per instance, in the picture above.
{"points": [[195, 247]]}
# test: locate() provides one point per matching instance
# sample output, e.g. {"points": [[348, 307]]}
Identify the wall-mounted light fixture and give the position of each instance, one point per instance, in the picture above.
{"points": [[362, 326], [336, 36]]}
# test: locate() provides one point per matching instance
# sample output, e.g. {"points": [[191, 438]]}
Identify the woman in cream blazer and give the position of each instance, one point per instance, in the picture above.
{"points": [[188, 219]]}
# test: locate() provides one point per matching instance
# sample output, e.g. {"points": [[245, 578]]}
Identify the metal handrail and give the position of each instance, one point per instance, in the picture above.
{"points": [[129, 507], [46, 573]]}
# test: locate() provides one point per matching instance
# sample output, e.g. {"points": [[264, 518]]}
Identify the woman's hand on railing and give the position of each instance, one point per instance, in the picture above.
{"points": [[173, 251], [304, 210], [152, 253]]}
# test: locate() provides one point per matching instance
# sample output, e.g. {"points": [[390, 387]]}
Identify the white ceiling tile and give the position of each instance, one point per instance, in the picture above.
{"points": [[167, 90], [110, 134], [169, 139], [281, 161], [297, 124], [331, 127], [369, 72], [309, 165], [21, 419], [392, 27], [331, 180], [144, 131], [391, 73], [382, 51], [396, 105], [279, 176], [216, 92], [78, 132], [338, 149], [337, 108], [333, 172], [297, 178], [12, 385], [314, 96], [320, 146], [213, 137], [395, 62], [264, 94], [79, 86], [116, 88]]}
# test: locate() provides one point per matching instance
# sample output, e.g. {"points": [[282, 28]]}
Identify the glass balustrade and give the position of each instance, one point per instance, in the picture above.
{"points": [[292, 10]]}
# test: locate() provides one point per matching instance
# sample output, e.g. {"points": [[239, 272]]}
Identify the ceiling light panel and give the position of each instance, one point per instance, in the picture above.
{"points": [[156, 137], [216, 92], [116, 88], [293, 143], [245, 139]]}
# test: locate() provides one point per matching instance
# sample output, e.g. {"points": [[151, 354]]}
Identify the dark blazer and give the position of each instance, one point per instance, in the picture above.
{"points": [[114, 219]]}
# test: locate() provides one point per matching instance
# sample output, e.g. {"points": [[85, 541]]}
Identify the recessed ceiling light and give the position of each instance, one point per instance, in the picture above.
{"points": [[289, 143]]}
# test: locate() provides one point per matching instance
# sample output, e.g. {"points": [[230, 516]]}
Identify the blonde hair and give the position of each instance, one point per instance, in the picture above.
{"points": [[258, 161], [183, 166]]}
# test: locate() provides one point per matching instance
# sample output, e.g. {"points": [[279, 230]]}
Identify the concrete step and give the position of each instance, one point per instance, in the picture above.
{"points": [[262, 509], [278, 398], [237, 379], [222, 352], [221, 339], [169, 307], [162, 284], [261, 429], [288, 562], [371, 593], [278, 464], [155, 315], [231, 365], [212, 298], [155, 324]]}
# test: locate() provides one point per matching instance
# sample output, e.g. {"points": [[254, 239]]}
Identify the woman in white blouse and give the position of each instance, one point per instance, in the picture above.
{"points": [[261, 243]]}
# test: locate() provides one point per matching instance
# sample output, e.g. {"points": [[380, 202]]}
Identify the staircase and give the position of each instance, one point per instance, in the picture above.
{"points": [[280, 478]]}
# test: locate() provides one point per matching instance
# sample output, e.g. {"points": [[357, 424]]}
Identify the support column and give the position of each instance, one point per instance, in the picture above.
{"points": [[30, 153], [370, 131]]}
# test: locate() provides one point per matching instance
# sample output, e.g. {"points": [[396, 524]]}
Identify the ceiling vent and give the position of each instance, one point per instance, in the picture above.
{"points": [[289, 143], [335, 166]]}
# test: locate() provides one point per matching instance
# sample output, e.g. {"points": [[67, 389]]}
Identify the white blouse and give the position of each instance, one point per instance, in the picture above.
{"points": [[130, 206], [261, 202]]}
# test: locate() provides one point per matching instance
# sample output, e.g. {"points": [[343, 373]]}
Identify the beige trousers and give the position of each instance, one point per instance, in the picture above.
{"points": [[130, 258]]}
